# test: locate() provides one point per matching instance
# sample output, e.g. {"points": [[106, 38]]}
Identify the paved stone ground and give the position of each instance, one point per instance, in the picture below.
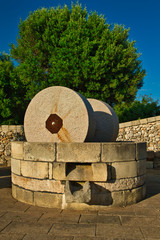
{"points": [[19, 221]]}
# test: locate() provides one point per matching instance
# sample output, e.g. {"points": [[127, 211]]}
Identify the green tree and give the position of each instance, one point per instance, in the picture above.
{"points": [[78, 50], [139, 109], [11, 93]]}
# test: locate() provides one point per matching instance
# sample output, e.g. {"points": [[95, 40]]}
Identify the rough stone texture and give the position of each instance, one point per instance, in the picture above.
{"points": [[145, 130], [124, 169], [22, 195], [16, 166], [94, 182], [80, 172], [107, 124], [49, 200], [38, 185], [34, 169], [39, 151], [113, 152], [17, 150], [78, 152], [81, 196], [7, 135], [120, 184], [74, 110]]}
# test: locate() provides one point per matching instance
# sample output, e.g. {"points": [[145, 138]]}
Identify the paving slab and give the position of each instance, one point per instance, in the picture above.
{"points": [[20, 221], [73, 229]]}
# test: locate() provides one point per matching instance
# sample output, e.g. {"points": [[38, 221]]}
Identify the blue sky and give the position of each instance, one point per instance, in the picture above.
{"points": [[141, 16]]}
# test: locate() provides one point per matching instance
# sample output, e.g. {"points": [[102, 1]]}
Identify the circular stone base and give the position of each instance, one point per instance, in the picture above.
{"points": [[78, 175]]}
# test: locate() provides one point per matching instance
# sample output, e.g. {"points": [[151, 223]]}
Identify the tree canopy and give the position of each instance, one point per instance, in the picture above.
{"points": [[69, 47], [11, 93], [139, 109]]}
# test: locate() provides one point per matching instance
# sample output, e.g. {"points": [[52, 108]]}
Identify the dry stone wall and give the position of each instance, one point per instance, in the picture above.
{"points": [[144, 130], [9, 133]]}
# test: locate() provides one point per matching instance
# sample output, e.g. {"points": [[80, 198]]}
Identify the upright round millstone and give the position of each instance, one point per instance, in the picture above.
{"points": [[107, 124], [59, 114]]}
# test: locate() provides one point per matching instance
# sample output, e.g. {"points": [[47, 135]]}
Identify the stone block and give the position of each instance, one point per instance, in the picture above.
{"points": [[50, 171], [118, 198], [126, 124], [100, 172], [38, 185], [17, 150], [120, 184], [39, 151], [4, 128], [16, 166], [157, 155], [80, 172], [34, 169], [50, 200], [151, 119], [81, 194], [124, 169], [157, 118], [141, 167], [78, 152], [141, 150], [134, 195], [144, 121], [150, 155], [20, 128], [12, 128], [114, 152], [149, 164], [135, 123], [59, 171], [22, 195]]}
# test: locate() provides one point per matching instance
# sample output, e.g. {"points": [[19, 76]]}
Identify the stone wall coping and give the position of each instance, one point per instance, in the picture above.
{"points": [[139, 122], [6, 128]]}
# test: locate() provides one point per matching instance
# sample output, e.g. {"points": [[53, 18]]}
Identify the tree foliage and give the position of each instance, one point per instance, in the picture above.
{"points": [[78, 50], [11, 93], [139, 109]]}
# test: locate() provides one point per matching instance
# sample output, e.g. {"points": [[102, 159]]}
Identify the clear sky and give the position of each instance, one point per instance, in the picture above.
{"points": [[141, 16]]}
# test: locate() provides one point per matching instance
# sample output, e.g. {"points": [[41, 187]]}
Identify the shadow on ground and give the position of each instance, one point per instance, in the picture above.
{"points": [[5, 177]]}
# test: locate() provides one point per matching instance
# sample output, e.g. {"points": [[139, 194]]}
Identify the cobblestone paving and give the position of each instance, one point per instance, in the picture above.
{"points": [[19, 221]]}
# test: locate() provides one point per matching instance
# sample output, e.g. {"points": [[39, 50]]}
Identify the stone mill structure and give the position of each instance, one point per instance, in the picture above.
{"points": [[71, 158]]}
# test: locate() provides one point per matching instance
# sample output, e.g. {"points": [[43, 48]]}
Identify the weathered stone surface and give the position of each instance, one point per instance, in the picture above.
{"points": [[59, 171], [150, 155], [100, 172], [107, 124], [80, 172], [134, 195], [16, 166], [50, 200], [149, 165], [72, 108], [17, 150], [141, 167], [113, 152], [34, 169], [22, 195], [78, 152], [141, 151], [39, 151], [124, 169], [38, 185], [121, 184], [81, 194]]}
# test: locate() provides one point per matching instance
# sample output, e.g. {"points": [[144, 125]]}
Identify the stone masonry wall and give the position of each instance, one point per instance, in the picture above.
{"points": [[7, 135], [144, 130]]}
